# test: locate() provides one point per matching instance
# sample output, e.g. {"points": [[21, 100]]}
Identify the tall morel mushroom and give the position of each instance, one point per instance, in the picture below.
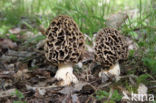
{"points": [[110, 48], [64, 47]]}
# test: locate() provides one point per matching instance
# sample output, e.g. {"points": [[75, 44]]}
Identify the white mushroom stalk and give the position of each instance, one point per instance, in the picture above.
{"points": [[65, 73], [114, 70]]}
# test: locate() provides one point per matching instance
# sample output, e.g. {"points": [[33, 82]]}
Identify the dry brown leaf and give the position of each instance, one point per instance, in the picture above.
{"points": [[71, 98], [21, 74], [116, 20], [22, 71], [131, 44], [28, 35], [7, 43], [15, 30], [69, 89], [7, 93], [75, 98]]}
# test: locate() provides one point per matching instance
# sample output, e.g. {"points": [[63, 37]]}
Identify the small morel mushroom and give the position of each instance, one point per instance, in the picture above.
{"points": [[64, 47], [110, 48]]}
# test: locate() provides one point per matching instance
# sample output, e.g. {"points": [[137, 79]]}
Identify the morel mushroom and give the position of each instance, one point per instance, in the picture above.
{"points": [[110, 48], [64, 47]]}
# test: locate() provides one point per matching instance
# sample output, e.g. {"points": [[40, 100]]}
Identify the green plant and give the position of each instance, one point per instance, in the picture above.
{"points": [[131, 53], [115, 96], [13, 37], [150, 63], [19, 95], [154, 102], [142, 78]]}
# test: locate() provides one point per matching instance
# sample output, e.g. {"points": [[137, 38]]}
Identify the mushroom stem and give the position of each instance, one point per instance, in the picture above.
{"points": [[114, 71], [65, 73]]}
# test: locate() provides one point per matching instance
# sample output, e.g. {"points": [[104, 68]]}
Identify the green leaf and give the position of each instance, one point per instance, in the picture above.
{"points": [[13, 37], [102, 94], [131, 53], [116, 96], [151, 64], [19, 94], [142, 78]]}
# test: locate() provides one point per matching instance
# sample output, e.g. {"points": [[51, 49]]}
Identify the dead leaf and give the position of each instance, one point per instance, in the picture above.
{"points": [[131, 44], [40, 90], [87, 89], [75, 98], [70, 89], [22, 71], [21, 74], [15, 30], [67, 90], [116, 20], [7, 59], [71, 98], [7, 93], [28, 35], [67, 99], [7, 43]]}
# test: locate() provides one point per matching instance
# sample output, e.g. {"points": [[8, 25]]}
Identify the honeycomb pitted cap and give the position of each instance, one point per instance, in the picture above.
{"points": [[64, 41], [110, 47]]}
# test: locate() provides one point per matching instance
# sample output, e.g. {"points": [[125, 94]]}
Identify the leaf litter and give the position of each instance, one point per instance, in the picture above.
{"points": [[24, 68]]}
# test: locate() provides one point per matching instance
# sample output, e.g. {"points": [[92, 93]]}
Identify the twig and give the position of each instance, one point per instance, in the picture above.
{"points": [[104, 85]]}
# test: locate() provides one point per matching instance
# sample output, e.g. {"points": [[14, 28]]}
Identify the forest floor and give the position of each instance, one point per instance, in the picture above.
{"points": [[27, 77]]}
